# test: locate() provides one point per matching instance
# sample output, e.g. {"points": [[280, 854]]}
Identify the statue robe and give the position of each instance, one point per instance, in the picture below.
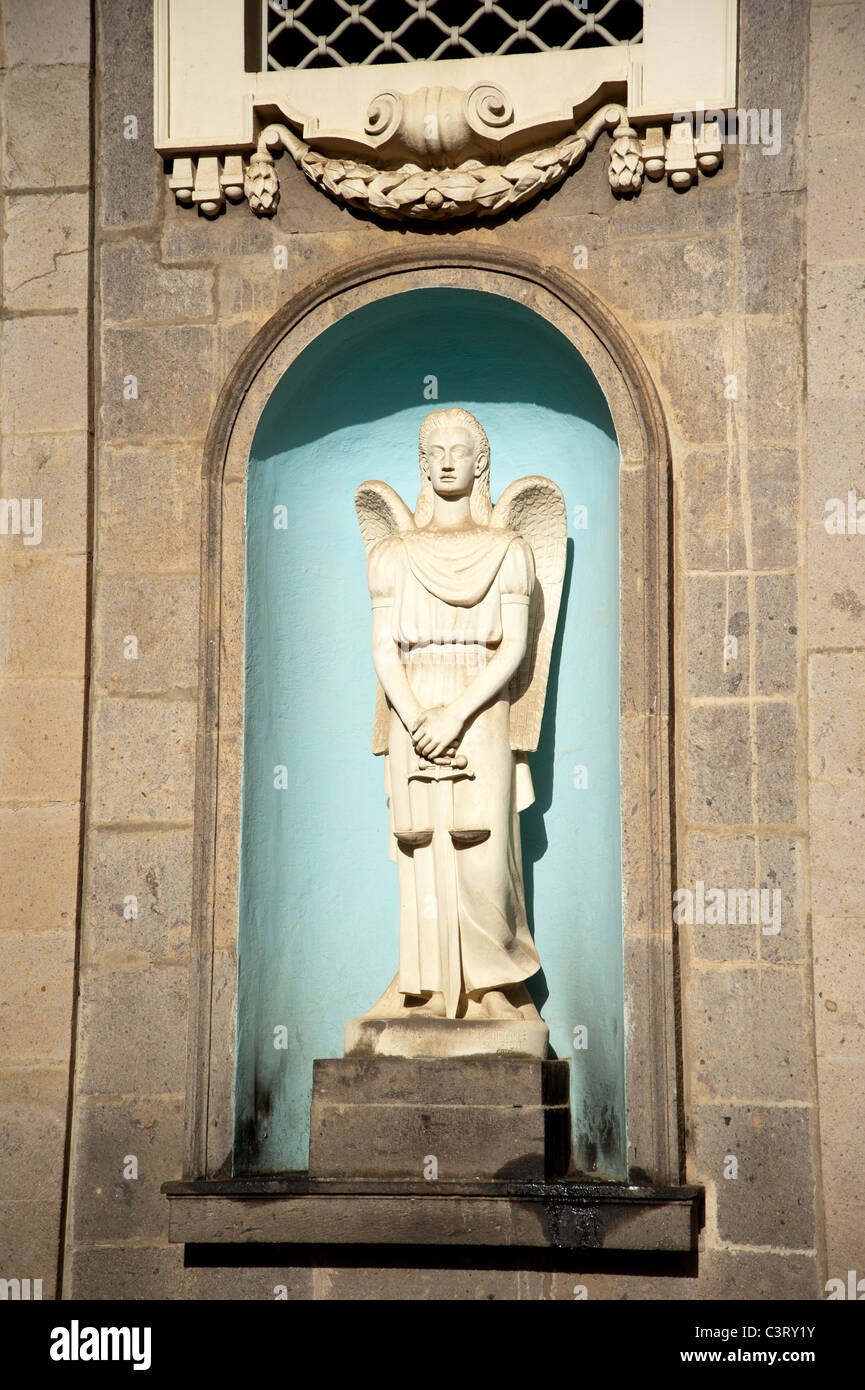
{"points": [[445, 594]]}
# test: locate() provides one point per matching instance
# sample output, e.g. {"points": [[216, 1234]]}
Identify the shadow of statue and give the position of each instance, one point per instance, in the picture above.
{"points": [[542, 762]]}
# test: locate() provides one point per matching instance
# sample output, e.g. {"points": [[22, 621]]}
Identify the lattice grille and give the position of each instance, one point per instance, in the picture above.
{"points": [[334, 33]]}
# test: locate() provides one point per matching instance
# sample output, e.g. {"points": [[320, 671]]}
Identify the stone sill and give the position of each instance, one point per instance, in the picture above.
{"points": [[566, 1214]]}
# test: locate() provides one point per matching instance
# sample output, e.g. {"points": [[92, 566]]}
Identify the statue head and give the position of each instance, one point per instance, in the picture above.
{"points": [[454, 427]]}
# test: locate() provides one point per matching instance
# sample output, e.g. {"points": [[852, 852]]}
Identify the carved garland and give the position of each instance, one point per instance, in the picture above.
{"points": [[470, 187]]}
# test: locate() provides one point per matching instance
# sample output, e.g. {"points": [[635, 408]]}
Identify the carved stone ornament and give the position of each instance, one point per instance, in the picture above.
{"points": [[434, 158], [459, 132]]}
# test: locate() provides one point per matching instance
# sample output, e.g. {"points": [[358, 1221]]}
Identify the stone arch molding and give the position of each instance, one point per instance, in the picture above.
{"points": [[651, 1045]]}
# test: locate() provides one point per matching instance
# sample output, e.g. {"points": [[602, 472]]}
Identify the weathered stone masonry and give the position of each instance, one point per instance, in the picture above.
{"points": [[742, 294]]}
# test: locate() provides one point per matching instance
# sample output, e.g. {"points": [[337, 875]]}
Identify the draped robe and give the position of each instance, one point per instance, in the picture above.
{"points": [[463, 924]]}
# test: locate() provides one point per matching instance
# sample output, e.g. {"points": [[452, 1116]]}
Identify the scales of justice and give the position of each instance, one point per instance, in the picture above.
{"points": [[465, 597]]}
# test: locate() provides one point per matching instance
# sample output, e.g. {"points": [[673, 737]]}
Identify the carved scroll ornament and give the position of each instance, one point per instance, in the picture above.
{"points": [[434, 158]]}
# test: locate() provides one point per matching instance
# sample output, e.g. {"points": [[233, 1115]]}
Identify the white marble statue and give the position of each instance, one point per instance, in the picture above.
{"points": [[464, 599]]}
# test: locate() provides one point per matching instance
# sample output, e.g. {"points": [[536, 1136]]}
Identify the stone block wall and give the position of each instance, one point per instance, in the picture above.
{"points": [[836, 611], [712, 286], [709, 285], [45, 423]]}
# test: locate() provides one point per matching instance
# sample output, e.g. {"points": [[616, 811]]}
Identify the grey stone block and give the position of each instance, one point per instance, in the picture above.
{"points": [[774, 382], [476, 1118], [154, 868], [29, 1238], [747, 1030], [710, 206], [399, 1285], [774, 484], [130, 175], [781, 871], [719, 756], [771, 236], [720, 862], [147, 771], [691, 364], [836, 341], [397, 1080], [115, 1200], [133, 1032], [777, 638], [400, 1141], [161, 613], [650, 1226], [149, 508], [836, 93], [135, 286], [720, 1274], [37, 100], [713, 527], [773, 44], [717, 611], [126, 1272], [562, 1214], [188, 237], [835, 462], [677, 278], [173, 370], [777, 786], [759, 1159]]}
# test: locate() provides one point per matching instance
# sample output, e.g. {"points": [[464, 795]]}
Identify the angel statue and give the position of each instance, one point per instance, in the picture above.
{"points": [[464, 601]]}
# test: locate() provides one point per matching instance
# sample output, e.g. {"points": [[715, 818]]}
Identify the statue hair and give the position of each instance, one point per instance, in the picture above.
{"points": [[480, 501]]}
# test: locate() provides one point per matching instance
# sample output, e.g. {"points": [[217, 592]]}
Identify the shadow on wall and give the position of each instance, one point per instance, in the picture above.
{"points": [[452, 341]]}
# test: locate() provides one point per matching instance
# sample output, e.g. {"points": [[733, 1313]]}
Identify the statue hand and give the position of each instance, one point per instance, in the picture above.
{"points": [[436, 731]]}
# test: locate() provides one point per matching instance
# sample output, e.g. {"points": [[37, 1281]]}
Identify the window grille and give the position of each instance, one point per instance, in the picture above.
{"points": [[335, 33]]}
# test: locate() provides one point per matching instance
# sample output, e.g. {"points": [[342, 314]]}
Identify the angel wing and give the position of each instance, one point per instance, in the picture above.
{"points": [[535, 509], [381, 512]]}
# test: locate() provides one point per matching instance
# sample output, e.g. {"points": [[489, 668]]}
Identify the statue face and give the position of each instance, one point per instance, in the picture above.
{"points": [[453, 460]]}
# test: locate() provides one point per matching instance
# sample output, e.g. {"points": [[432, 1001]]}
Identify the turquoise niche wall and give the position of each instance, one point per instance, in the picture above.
{"points": [[318, 894]]}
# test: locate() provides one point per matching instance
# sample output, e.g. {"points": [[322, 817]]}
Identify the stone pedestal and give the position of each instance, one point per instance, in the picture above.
{"points": [[452, 1117], [446, 1037]]}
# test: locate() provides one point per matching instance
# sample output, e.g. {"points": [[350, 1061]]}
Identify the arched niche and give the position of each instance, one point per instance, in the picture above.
{"points": [[561, 370]]}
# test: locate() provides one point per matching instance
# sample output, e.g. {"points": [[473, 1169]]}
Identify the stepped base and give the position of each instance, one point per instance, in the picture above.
{"points": [[466, 1117]]}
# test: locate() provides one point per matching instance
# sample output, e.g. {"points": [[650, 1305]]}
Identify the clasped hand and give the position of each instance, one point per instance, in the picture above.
{"points": [[436, 732]]}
